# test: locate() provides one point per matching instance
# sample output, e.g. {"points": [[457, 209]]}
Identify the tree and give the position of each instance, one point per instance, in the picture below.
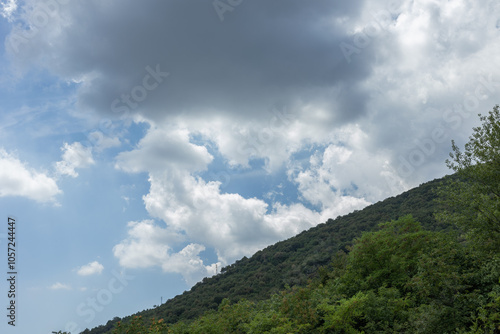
{"points": [[388, 257], [473, 196]]}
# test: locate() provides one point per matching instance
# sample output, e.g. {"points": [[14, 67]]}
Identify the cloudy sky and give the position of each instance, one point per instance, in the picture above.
{"points": [[142, 143]]}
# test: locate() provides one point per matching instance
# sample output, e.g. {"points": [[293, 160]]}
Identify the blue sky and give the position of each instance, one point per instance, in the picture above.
{"points": [[144, 144]]}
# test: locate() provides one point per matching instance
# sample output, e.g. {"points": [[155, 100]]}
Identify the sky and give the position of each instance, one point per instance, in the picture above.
{"points": [[143, 144]]}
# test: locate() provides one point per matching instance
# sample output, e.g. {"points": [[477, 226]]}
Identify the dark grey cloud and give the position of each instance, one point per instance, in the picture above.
{"points": [[267, 53], [262, 53]]}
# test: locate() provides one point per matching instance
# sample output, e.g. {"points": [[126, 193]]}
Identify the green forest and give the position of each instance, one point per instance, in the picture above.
{"points": [[426, 261]]}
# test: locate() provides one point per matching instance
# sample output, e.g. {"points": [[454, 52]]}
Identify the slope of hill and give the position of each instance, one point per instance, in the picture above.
{"points": [[291, 262]]}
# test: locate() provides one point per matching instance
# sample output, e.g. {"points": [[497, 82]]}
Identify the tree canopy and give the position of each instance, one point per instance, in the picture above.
{"points": [[473, 197]]}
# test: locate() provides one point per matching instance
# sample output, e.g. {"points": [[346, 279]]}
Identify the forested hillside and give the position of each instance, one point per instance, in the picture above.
{"points": [[426, 261], [294, 261]]}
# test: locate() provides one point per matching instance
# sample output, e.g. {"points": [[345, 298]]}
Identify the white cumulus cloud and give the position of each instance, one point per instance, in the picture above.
{"points": [[189, 206], [150, 245], [162, 149], [90, 269], [16, 179], [74, 156]]}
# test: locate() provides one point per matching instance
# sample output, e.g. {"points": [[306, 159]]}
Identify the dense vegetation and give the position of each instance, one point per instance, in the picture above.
{"points": [[390, 268], [291, 262], [400, 279]]}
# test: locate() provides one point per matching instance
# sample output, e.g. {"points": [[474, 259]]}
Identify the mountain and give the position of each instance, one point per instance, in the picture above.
{"points": [[292, 262]]}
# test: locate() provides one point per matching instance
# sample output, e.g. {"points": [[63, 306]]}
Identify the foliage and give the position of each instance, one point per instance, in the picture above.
{"points": [[398, 279], [291, 262], [386, 257], [473, 197], [137, 326]]}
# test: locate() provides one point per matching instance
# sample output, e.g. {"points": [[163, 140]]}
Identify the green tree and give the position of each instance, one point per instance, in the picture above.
{"points": [[388, 257], [472, 202], [473, 196], [403, 278]]}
